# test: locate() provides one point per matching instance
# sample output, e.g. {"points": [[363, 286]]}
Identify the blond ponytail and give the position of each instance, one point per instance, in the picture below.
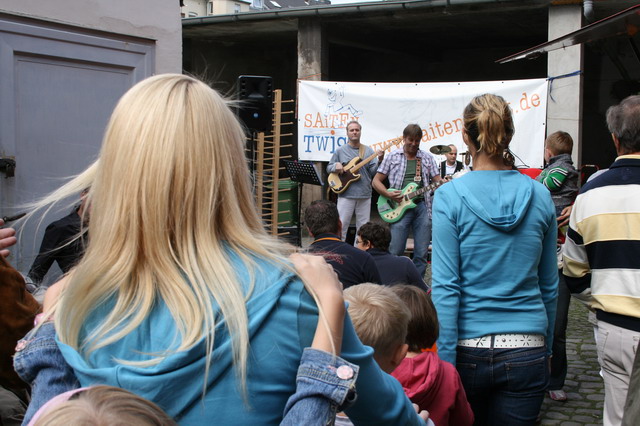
{"points": [[489, 124]]}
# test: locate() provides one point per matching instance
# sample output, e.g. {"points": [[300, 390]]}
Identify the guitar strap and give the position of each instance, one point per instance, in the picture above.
{"points": [[418, 176], [361, 152]]}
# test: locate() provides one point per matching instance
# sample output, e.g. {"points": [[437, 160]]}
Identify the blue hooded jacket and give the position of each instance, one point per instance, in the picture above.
{"points": [[494, 258], [282, 321]]}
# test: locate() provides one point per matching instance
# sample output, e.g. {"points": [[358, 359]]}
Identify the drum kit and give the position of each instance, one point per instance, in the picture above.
{"points": [[440, 149], [443, 149]]}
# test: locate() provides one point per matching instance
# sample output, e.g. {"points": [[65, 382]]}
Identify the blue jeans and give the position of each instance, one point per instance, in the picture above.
{"points": [[504, 386], [416, 219]]}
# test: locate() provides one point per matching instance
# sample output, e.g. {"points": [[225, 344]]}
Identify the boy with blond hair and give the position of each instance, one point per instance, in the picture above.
{"points": [[427, 380], [559, 176], [380, 319]]}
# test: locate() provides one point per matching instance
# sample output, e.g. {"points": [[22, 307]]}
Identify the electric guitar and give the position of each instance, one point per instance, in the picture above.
{"points": [[392, 211], [339, 182]]}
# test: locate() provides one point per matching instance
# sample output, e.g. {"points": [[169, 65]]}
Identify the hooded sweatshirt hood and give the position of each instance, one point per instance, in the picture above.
{"points": [[176, 383], [492, 198], [435, 386]]}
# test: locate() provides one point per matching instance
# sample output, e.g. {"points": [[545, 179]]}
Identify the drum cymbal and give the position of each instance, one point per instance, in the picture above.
{"points": [[440, 149]]}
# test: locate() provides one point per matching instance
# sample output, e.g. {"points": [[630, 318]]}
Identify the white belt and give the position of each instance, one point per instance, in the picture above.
{"points": [[504, 341]]}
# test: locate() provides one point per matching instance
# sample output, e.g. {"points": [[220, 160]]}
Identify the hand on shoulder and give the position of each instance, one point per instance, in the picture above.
{"points": [[320, 279]]}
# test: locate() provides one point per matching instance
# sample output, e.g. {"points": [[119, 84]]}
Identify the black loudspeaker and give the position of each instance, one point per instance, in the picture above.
{"points": [[256, 102]]}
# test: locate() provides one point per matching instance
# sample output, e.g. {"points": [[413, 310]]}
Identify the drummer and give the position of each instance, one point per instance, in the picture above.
{"points": [[451, 165], [403, 166]]}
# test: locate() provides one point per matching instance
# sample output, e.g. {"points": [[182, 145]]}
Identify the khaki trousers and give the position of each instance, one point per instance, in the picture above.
{"points": [[616, 352]]}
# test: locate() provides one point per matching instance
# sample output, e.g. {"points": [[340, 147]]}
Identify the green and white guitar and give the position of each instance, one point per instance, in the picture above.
{"points": [[392, 211]]}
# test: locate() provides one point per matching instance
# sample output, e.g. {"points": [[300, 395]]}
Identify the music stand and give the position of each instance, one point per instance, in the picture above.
{"points": [[301, 172]]}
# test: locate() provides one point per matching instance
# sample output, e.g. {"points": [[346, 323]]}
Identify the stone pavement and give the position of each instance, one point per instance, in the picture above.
{"points": [[583, 385]]}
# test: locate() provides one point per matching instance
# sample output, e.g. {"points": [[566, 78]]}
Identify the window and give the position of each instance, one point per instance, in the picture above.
{"points": [[236, 8], [210, 8]]}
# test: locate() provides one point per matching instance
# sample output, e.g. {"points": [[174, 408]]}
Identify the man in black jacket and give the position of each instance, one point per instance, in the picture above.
{"points": [[374, 238], [353, 266], [62, 243]]}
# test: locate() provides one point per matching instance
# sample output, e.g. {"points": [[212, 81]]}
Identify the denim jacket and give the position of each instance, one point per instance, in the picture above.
{"points": [[39, 362], [324, 383]]}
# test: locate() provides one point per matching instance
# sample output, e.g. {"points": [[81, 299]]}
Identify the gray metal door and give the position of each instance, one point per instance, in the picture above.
{"points": [[58, 86]]}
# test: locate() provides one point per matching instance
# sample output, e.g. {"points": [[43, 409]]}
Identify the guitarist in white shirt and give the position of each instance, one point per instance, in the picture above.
{"points": [[357, 197], [401, 166]]}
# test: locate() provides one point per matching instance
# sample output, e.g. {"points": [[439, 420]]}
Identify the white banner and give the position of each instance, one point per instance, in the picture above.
{"points": [[384, 109]]}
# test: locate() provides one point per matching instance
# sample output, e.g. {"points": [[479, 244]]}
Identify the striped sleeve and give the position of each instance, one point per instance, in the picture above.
{"points": [[576, 266], [554, 178]]}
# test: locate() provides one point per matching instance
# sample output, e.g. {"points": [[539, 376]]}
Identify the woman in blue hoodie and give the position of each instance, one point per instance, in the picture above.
{"points": [[182, 297], [495, 274]]}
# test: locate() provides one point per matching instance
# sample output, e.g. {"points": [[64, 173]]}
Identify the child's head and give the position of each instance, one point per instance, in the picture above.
{"points": [[557, 143], [423, 328], [380, 319], [103, 406]]}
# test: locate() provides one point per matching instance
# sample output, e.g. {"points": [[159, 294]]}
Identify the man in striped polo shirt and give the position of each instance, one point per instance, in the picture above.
{"points": [[602, 255]]}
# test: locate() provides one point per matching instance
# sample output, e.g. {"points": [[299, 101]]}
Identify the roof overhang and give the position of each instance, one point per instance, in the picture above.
{"points": [[625, 23], [348, 9]]}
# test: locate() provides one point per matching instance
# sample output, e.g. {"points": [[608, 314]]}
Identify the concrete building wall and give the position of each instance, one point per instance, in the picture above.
{"points": [[157, 20], [195, 8], [63, 66], [199, 8], [223, 7], [564, 107]]}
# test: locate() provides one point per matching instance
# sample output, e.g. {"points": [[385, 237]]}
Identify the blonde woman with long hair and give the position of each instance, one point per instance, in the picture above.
{"points": [[182, 297], [495, 277]]}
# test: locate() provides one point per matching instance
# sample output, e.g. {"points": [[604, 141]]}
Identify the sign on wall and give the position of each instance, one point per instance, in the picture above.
{"points": [[384, 109]]}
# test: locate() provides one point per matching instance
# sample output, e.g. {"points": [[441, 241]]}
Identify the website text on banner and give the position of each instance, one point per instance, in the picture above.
{"points": [[384, 109]]}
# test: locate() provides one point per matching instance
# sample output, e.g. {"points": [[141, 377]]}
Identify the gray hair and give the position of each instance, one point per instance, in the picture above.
{"points": [[353, 122], [623, 120]]}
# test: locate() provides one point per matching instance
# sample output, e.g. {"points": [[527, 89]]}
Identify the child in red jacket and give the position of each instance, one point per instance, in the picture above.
{"points": [[428, 381]]}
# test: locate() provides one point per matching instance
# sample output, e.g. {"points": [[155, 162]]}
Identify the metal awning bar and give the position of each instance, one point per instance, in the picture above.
{"points": [[626, 23]]}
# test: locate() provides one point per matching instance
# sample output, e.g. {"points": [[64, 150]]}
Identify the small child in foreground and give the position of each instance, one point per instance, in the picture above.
{"points": [[428, 381], [100, 405], [380, 319]]}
